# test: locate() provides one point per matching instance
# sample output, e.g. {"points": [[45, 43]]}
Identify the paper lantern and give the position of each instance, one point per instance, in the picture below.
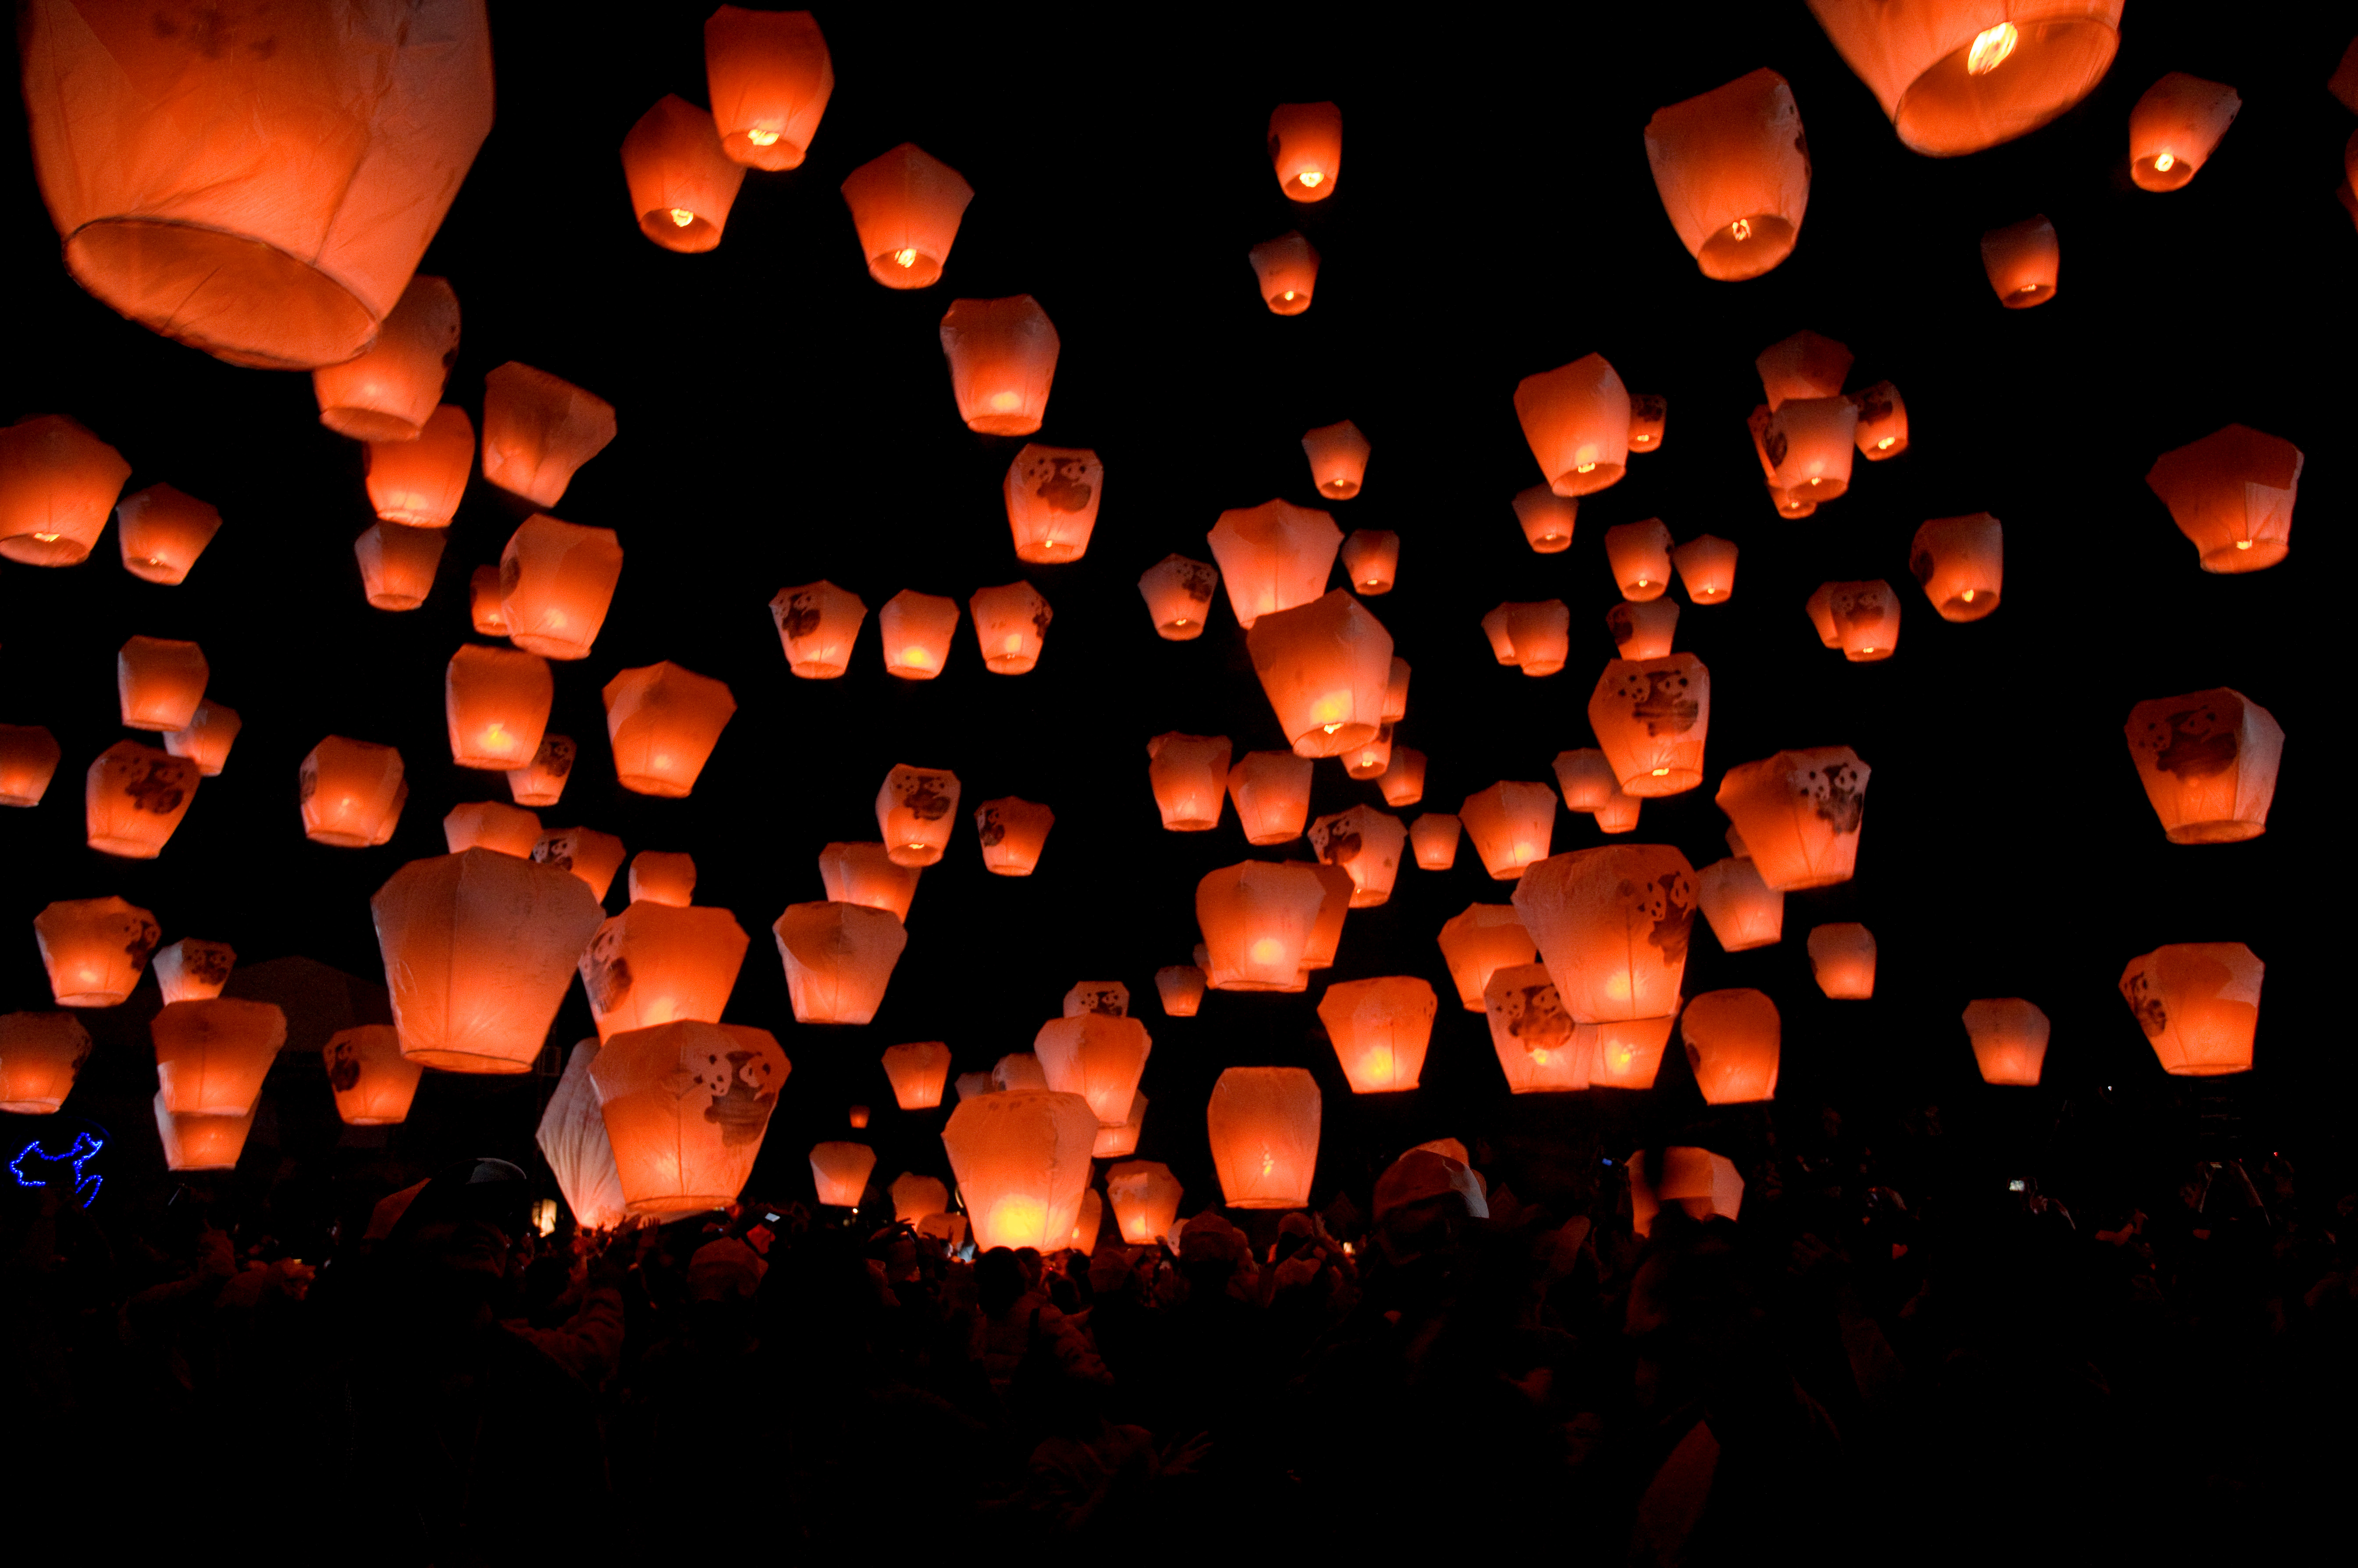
{"points": [[1540, 1049], [686, 1105], [211, 731], [1842, 956], [1496, 628], [1257, 918], [1862, 619], [94, 948], [662, 722], [1275, 557], [1960, 561], [770, 75], [857, 1116], [1379, 1029], [592, 856], [681, 183], [2198, 1003], [1882, 428], [840, 1172], [1271, 791], [1577, 419], [1403, 780], [1371, 559], [484, 610], [1643, 630], [389, 392], [159, 682], [1396, 691], [193, 970], [661, 877], [906, 206], [572, 1139], [1052, 496], [1187, 773], [1002, 355], [1647, 414], [1810, 444], [2009, 1038], [2231, 494], [133, 798], [1011, 625], [1703, 1183], [2175, 126], [1367, 844], [1512, 824], [1618, 813], [201, 1142], [2022, 260], [817, 625], [538, 430], [1013, 832], [1546, 518], [1306, 143], [375, 1084], [1263, 1124], [1287, 268], [1640, 556], [916, 1198], [1145, 1198], [1181, 987], [419, 482], [211, 1055], [496, 703], [1624, 1053], [1021, 1160], [1651, 718], [1612, 926], [486, 823], [557, 581], [948, 1229], [839, 958], [541, 782], [1434, 838], [57, 482], [918, 628], [40, 1055], [918, 1071], [1018, 1070], [1733, 171], [1325, 666], [1098, 1057], [1178, 594], [1336, 891], [1731, 1040], [1339, 466], [29, 755], [1799, 813], [398, 564], [2208, 761], [654, 963], [1478, 942], [914, 811], [867, 874], [1957, 76], [351, 792], [162, 532], [1806, 365], [1370, 760], [1587, 779], [1539, 635], [1744, 911]]}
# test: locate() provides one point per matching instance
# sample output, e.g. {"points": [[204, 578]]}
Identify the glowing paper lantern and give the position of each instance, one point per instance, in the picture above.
{"points": [[1011, 625], [541, 782], [1647, 414], [1002, 355], [351, 792], [211, 731], [1624, 1053], [1264, 1123], [918, 1071], [1502, 639], [1546, 518], [662, 722], [29, 755], [2175, 126], [1403, 780], [1326, 667], [1612, 926], [1271, 791], [1371, 559], [682, 184], [1842, 956], [1339, 465], [686, 1105], [1540, 1049], [1181, 987], [1306, 143], [839, 958], [1539, 635], [2198, 1003], [1021, 1160], [818, 624], [1018, 1070], [914, 811], [538, 430], [133, 798], [1178, 593], [1380, 1028], [1433, 838], [1587, 779], [769, 76], [1370, 760], [1097, 1056], [57, 482], [390, 392], [1052, 496], [486, 823], [2022, 260], [1336, 891], [572, 1139], [916, 1198], [2009, 1038], [160, 682], [918, 628], [592, 856], [1187, 773], [1882, 429], [1396, 691], [1275, 555], [867, 874], [661, 877], [1640, 555], [1145, 1198], [1960, 561], [2208, 761], [193, 970], [1704, 1183], [1478, 942], [2231, 494], [1957, 76], [419, 482], [1731, 1040], [557, 580], [1807, 365], [1257, 918], [496, 702], [1618, 813], [1733, 171], [1643, 631], [95, 950], [1013, 832], [1577, 419], [1512, 823], [40, 1055], [484, 607], [1651, 718], [398, 563], [654, 963], [162, 532], [840, 1172], [201, 1142], [1366, 843], [1745, 912], [1287, 268], [1799, 813], [375, 1084], [1862, 619], [906, 206], [1810, 444], [211, 1055]]}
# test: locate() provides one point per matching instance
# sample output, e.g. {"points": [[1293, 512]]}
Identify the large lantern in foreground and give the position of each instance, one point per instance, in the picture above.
{"points": [[2231, 494], [686, 1105], [1306, 143], [1745, 912], [817, 625], [1800, 814], [351, 792], [1732, 1039], [839, 958], [1612, 926], [29, 755], [1188, 775], [654, 963], [1733, 171], [496, 702], [2023, 261], [1257, 918], [1512, 824], [1002, 355], [1013, 832], [916, 809], [134, 798], [662, 722], [1366, 843], [1097, 1056], [1263, 1124], [1540, 1049], [420, 482], [918, 1071], [1379, 1029], [2208, 761], [2009, 1038], [2198, 1003], [572, 1139], [538, 430], [1957, 76], [770, 77], [162, 532], [1479, 941], [40, 1055], [1145, 1198], [1273, 557], [388, 394], [1022, 1159], [2175, 126], [375, 1084], [1577, 419], [1651, 718], [1960, 561], [1326, 667], [906, 206], [1052, 496], [211, 1055], [95, 950], [1272, 792], [57, 482], [682, 185], [557, 580], [1842, 956]]}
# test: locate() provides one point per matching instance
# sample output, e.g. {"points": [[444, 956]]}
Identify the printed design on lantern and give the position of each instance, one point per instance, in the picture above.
{"points": [[1864, 610], [1646, 407], [1872, 406], [1337, 843], [742, 1097], [2199, 741], [211, 965], [989, 828], [1621, 622], [1669, 903], [145, 938], [1839, 795], [803, 616], [1540, 1022], [556, 851], [510, 575], [1772, 443], [1920, 564], [159, 787], [307, 781], [1663, 700], [605, 972], [1064, 485], [85, 1149], [555, 757], [1197, 581], [344, 1069], [1040, 619], [922, 794], [2151, 1015]]}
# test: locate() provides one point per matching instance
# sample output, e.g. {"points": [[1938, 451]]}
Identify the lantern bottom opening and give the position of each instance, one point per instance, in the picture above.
{"points": [[1809, 880], [1011, 664], [2148, 178], [469, 1060], [237, 299], [812, 669], [1194, 825], [1051, 552], [92, 999], [778, 156], [1960, 610], [1949, 111], [2227, 832], [1540, 667], [921, 272], [1650, 784], [371, 425], [1574, 481], [1322, 743], [1303, 1202], [61, 551], [549, 647], [1180, 630], [656, 785], [2210, 1069], [2023, 298], [912, 672], [1767, 241], [2253, 555], [694, 237], [383, 600], [1299, 983], [30, 1107], [1004, 424], [1279, 304], [914, 854], [679, 1203], [126, 848]]}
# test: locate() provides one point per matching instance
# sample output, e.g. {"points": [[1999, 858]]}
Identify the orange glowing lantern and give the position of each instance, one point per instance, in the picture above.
{"points": [[2009, 1038], [1643, 630], [1547, 519], [193, 970], [538, 430], [2231, 494], [1540, 1049], [162, 532], [1733, 171], [1807, 366], [1018, 1070], [1882, 431], [1842, 956], [1326, 667], [1178, 593], [57, 482], [592, 856], [1799, 813], [351, 792], [1187, 773], [1371, 559], [1732, 1039], [1396, 691], [419, 482], [1651, 718], [486, 823], [1022, 1159], [1271, 791], [40, 1055], [1257, 918], [1098, 1056], [95, 950], [1335, 888], [572, 1139], [916, 1198], [906, 206], [160, 682], [1366, 843], [1745, 912], [211, 731], [686, 1105], [662, 722], [390, 392], [1502, 639], [398, 563], [1370, 761], [1862, 619], [1957, 76], [1960, 561], [914, 811], [1403, 780], [1647, 414], [840, 1172], [1618, 813], [918, 628], [1002, 355], [1703, 1183], [817, 625], [1380, 1028], [1013, 832], [1612, 926], [1339, 466], [1264, 1123], [541, 782], [1538, 634], [557, 580], [29, 755], [1808, 444], [1624, 1053], [1288, 269], [1433, 838], [375, 1084], [919, 1071], [1587, 779], [1640, 555], [133, 798], [2022, 260], [1512, 824], [1306, 143], [1275, 557], [1480, 941], [2208, 761], [2198, 1003], [211, 1055], [1820, 609], [1577, 419], [2175, 126], [483, 607], [867, 874], [1181, 987], [659, 876], [496, 702], [682, 184], [1052, 496], [201, 1142], [1011, 625], [769, 76], [1145, 1198], [654, 963], [839, 958]]}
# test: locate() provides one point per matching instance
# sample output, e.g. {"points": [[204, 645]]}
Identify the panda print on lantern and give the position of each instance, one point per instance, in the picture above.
{"points": [[743, 1095]]}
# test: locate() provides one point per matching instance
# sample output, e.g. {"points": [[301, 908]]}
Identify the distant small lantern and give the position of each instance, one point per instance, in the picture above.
{"points": [[1960, 561], [1643, 630], [1732, 1039], [486, 823], [1577, 419], [2022, 260], [2009, 1038], [351, 792], [1367, 844], [1478, 942], [193, 970], [686, 1106], [1539, 635], [916, 1198], [1512, 824], [1732, 168], [134, 798], [419, 482], [1587, 779], [592, 856], [662, 722], [1178, 593], [1181, 987], [914, 811], [769, 76], [2231, 494], [1287, 268], [541, 782], [1862, 619], [840, 1172], [1098, 1056], [906, 206], [1380, 1030], [1799, 813], [538, 430], [1371, 559], [1306, 143], [398, 564], [1819, 608], [1052, 496], [918, 1071], [201, 1142], [496, 702], [1647, 414], [867, 874], [162, 532], [57, 482], [557, 580], [1540, 1049], [1640, 556], [817, 625], [1271, 791], [917, 629], [1745, 912], [1145, 1198], [159, 682], [1273, 557], [1370, 761], [2208, 761], [1651, 718], [1956, 77], [95, 950], [1022, 1159], [1842, 956], [1612, 926], [662, 877], [682, 185], [572, 1139], [29, 755], [41, 1053], [1326, 667], [1257, 919], [211, 731], [388, 393], [375, 1084], [1705, 1184], [1396, 691], [1002, 355], [1338, 461], [1807, 365], [1547, 519], [1882, 428], [1434, 838], [839, 958], [211, 1055], [2198, 1003], [653, 963], [484, 610], [1011, 622], [1403, 780], [1188, 773], [1013, 832], [2175, 126], [1619, 812], [1263, 1124], [1502, 639]]}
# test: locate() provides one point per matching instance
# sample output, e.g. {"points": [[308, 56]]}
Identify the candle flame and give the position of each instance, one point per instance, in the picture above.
{"points": [[763, 138], [1990, 49], [1740, 230], [2164, 164], [682, 216], [1310, 179], [905, 257]]}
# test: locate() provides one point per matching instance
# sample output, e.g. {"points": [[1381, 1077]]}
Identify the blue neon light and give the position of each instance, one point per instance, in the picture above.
{"points": [[85, 1149]]}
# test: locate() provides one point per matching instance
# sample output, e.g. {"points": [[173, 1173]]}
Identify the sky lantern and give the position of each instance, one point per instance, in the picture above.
{"points": [[682, 184], [398, 564], [1501, 637], [1958, 76], [351, 792], [57, 482], [211, 730], [917, 629], [1338, 460], [159, 682], [2198, 1003], [1013, 832], [2208, 761], [496, 701], [1612, 926], [906, 206], [1732, 1039], [1052, 496], [659, 876], [1640, 556], [1264, 1123], [1809, 445], [1587, 779], [1732, 167], [1807, 365], [840, 1172], [419, 482], [572, 1139], [1651, 717], [95, 950], [162, 532], [388, 394], [1335, 889], [1434, 838], [1371, 559], [29, 755], [1306, 143], [1396, 691], [1002, 355], [686, 1105], [917, 1197], [1011, 622], [918, 1071], [867, 874], [1257, 918], [1188, 773], [1960, 561], [914, 811], [1744, 911], [1576, 418], [1018, 1070], [1842, 956], [769, 76], [538, 430], [1178, 593], [654, 963], [479, 947], [557, 580], [487, 824], [1882, 428], [1325, 666], [2009, 1038], [1022, 1159], [1108, 997], [192, 969], [1643, 630], [1546, 518], [541, 782], [592, 856], [1181, 987], [839, 958], [1540, 634], [1370, 760], [211, 1055], [484, 610], [201, 1142], [1862, 619], [1380, 1028], [1540, 1049], [2231, 494], [134, 798], [40, 1055], [1480, 940], [1287, 268], [1704, 1183], [375, 1084], [1511, 823], [1271, 791], [1098, 1056], [1649, 412], [1367, 844], [1145, 1198], [1820, 609], [1799, 813], [1624, 1053], [2175, 126], [818, 624], [2022, 260], [662, 722], [1403, 780], [1274, 556]]}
